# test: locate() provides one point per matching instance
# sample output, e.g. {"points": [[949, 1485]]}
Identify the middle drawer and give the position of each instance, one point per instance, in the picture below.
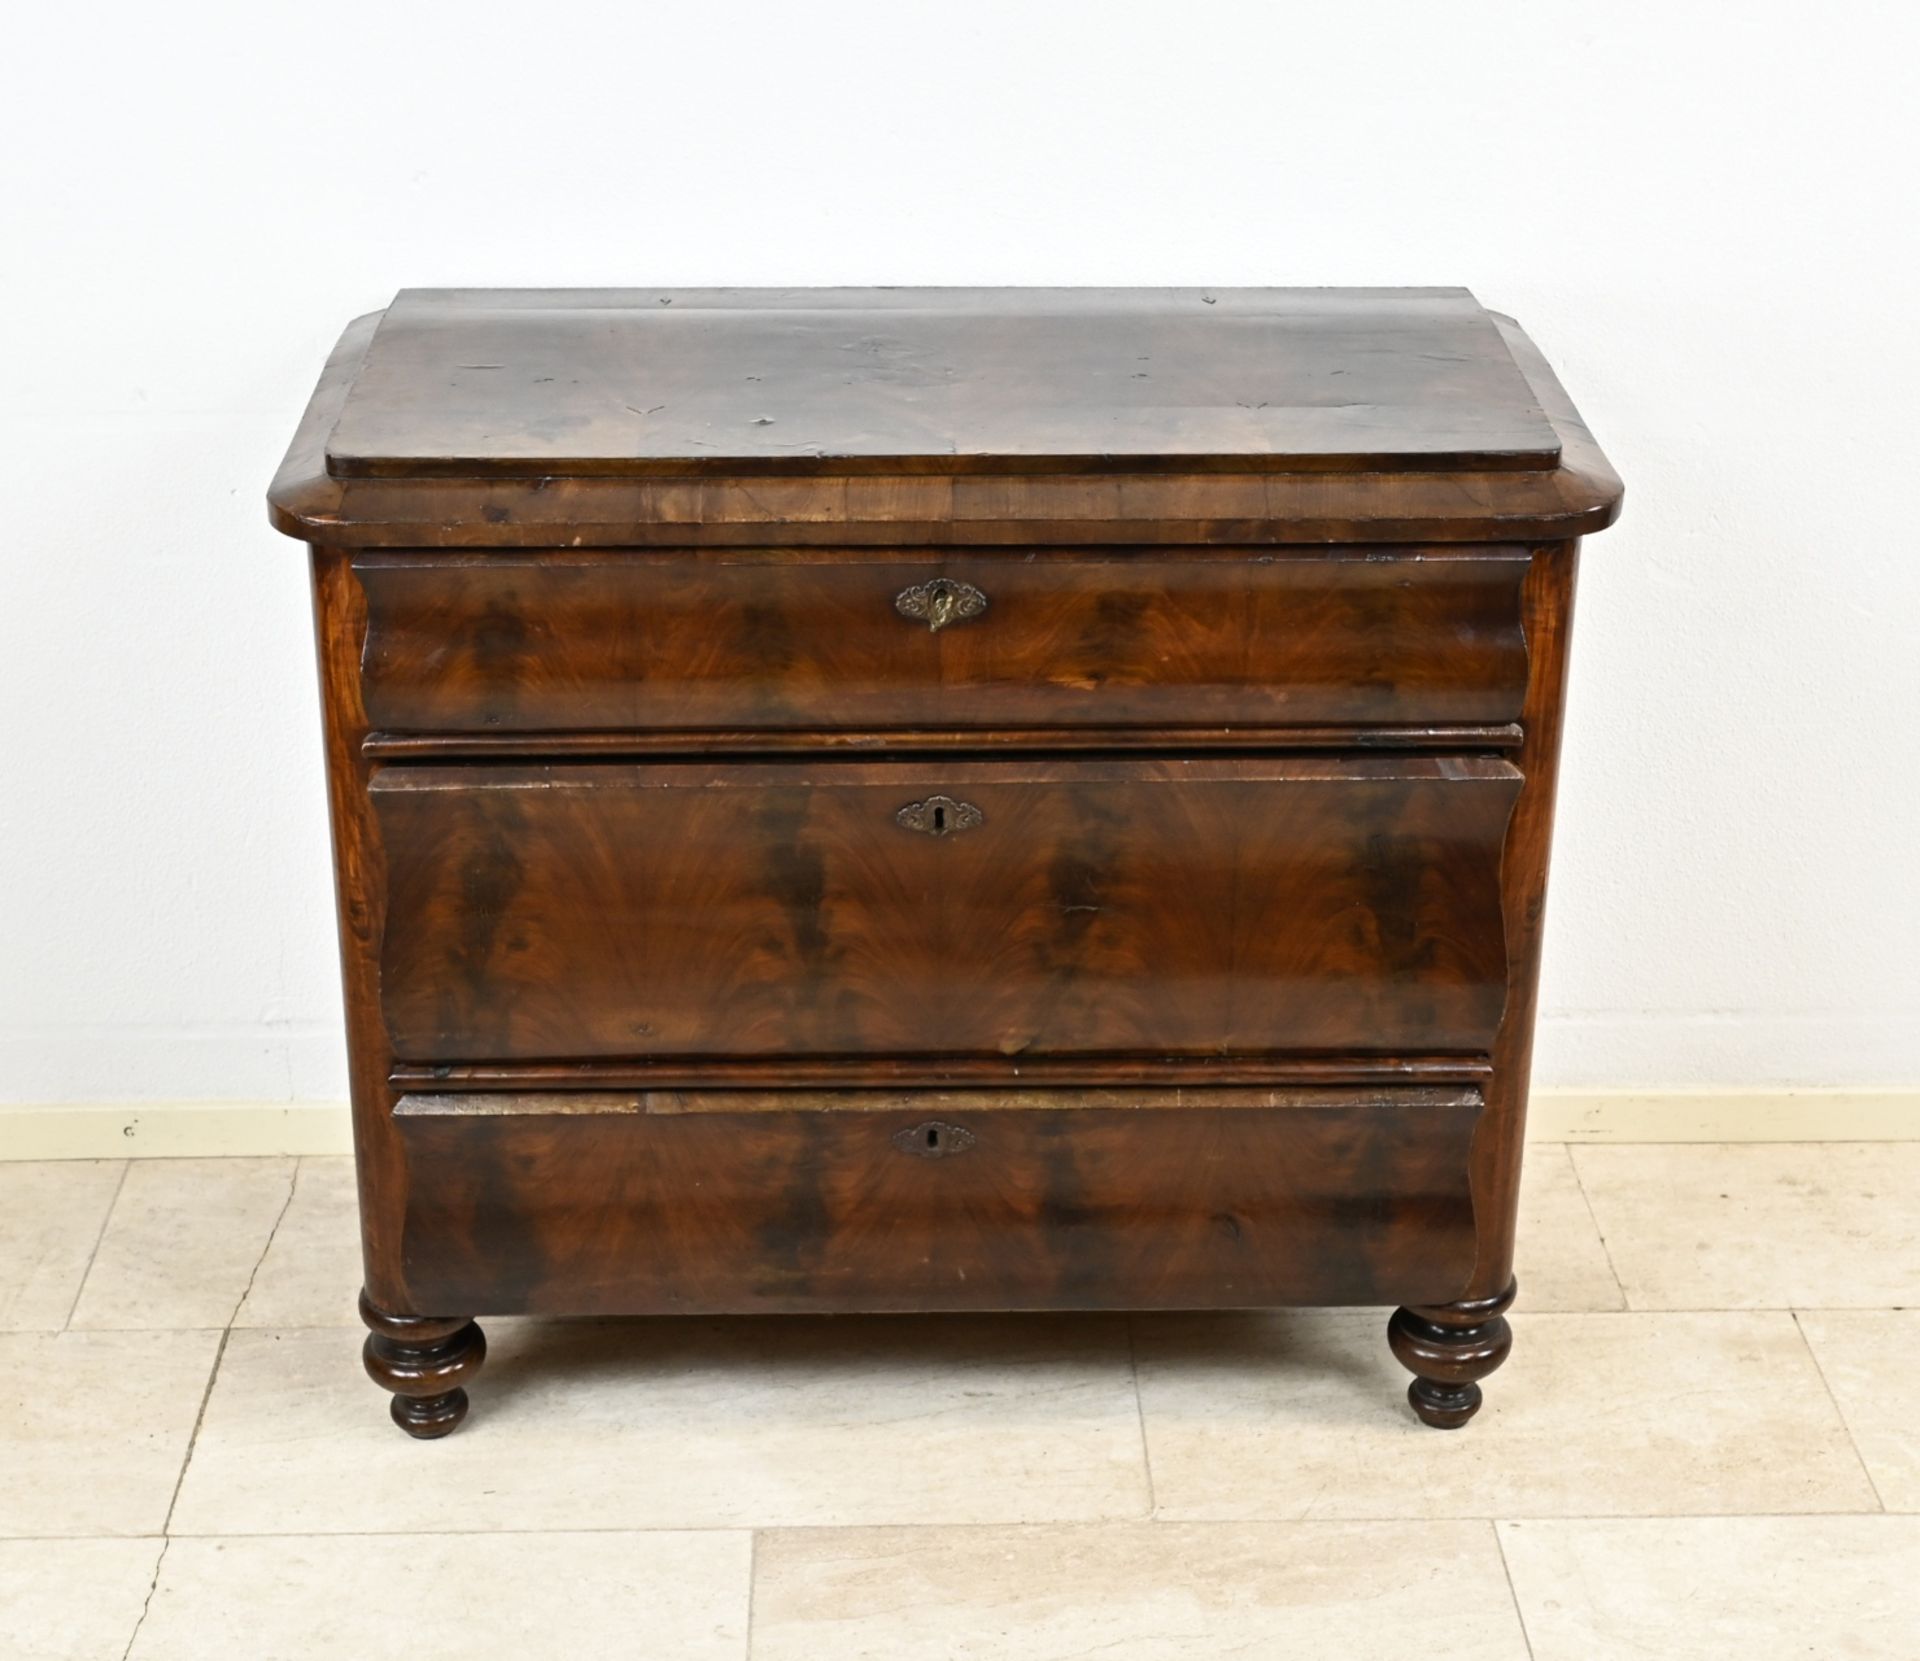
{"points": [[1240, 906], [886, 640]]}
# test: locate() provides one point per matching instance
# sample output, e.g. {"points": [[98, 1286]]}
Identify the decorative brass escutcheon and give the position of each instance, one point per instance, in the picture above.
{"points": [[940, 602], [936, 1139], [939, 816]]}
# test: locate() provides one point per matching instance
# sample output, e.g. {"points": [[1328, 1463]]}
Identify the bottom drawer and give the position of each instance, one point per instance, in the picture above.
{"points": [[713, 1201]]}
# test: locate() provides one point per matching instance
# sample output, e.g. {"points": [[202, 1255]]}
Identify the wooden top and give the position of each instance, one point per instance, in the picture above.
{"points": [[774, 416], [751, 382]]}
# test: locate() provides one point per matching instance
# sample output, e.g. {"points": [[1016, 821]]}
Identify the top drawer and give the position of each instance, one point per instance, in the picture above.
{"points": [[877, 641]]}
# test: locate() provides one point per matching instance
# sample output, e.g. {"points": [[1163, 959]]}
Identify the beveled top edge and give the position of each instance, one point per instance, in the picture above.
{"points": [[1580, 496], [918, 297], [764, 383]]}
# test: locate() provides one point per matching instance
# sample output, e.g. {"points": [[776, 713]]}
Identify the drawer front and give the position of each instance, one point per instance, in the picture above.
{"points": [[1009, 909], [725, 1201], [504, 643]]}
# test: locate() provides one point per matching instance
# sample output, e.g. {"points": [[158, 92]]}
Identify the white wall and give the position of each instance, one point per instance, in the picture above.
{"points": [[1704, 213]]}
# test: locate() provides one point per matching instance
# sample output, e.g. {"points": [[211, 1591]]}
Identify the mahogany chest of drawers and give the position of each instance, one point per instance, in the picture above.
{"points": [[939, 800]]}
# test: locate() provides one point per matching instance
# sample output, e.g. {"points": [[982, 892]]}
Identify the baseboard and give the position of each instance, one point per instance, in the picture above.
{"points": [[1724, 1116], [183, 1130], [173, 1130]]}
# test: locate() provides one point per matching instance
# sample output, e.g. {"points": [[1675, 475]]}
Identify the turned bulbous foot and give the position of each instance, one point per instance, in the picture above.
{"points": [[1449, 1348], [426, 1361]]}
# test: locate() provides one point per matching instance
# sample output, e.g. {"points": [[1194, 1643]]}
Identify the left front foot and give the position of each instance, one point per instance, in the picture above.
{"points": [[425, 1361]]}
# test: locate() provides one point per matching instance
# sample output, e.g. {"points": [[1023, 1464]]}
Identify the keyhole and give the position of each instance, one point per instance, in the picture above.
{"points": [[939, 819], [936, 1140]]}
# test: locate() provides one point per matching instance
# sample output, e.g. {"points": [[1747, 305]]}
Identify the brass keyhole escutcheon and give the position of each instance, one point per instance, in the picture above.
{"points": [[936, 1139], [939, 816], [940, 602]]}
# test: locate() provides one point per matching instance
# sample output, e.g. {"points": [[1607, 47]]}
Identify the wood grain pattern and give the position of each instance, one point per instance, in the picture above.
{"points": [[1547, 600], [360, 890], [748, 383], [1577, 497], [772, 908], [756, 641], [1100, 1200], [1162, 930]]}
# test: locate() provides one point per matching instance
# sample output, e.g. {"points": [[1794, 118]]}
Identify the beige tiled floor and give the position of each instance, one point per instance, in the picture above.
{"points": [[1710, 1454], [181, 1242], [1814, 1225]]}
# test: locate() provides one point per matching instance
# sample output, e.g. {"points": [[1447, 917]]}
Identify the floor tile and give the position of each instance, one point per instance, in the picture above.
{"points": [[51, 1214], [94, 1427], [72, 1600], [683, 1424], [310, 1275], [1706, 1589], [1868, 1358], [1760, 1225], [502, 1597], [1303, 1415], [1561, 1260], [184, 1236], [1134, 1592]]}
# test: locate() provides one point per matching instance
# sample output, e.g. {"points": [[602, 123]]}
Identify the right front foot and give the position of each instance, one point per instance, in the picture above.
{"points": [[1449, 1348]]}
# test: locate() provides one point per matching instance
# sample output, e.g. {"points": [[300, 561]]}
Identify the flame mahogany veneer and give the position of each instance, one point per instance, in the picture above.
{"points": [[939, 800]]}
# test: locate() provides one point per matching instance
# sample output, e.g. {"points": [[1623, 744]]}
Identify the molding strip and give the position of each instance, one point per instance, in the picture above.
{"points": [[182, 1130], [943, 1073], [716, 743]]}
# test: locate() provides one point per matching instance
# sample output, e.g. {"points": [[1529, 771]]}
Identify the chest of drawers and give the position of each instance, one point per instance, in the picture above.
{"points": [[939, 800]]}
